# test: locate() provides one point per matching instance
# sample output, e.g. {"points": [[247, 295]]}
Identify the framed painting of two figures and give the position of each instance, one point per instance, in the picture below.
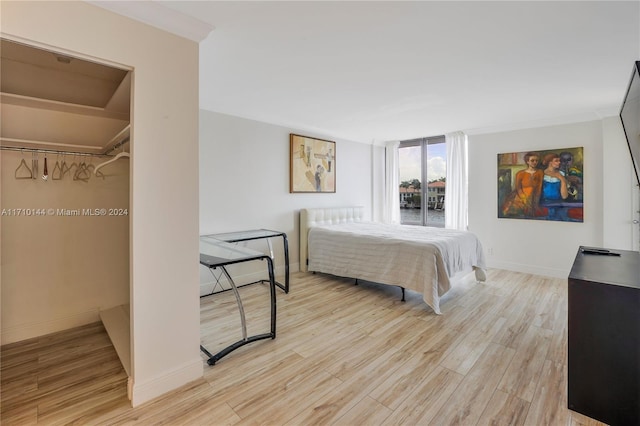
{"points": [[541, 185]]}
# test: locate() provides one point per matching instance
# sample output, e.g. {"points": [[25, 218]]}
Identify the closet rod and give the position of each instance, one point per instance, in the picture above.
{"points": [[118, 145], [50, 151]]}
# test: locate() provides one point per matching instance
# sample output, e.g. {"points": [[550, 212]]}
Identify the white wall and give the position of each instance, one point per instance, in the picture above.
{"points": [[619, 195], [544, 247], [244, 179], [164, 176]]}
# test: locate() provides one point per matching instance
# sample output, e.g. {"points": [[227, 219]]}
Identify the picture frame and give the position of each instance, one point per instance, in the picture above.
{"points": [[542, 185], [312, 165]]}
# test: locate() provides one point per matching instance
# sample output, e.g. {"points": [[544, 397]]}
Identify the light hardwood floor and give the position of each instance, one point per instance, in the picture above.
{"points": [[344, 354]]}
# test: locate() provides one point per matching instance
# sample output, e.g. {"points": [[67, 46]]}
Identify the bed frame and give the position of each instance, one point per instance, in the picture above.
{"points": [[323, 216]]}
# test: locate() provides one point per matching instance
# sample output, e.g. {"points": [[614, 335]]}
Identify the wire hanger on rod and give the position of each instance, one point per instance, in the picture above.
{"points": [[27, 173], [91, 168], [57, 174], [34, 164]]}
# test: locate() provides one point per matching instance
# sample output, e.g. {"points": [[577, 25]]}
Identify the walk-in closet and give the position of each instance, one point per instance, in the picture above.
{"points": [[65, 194]]}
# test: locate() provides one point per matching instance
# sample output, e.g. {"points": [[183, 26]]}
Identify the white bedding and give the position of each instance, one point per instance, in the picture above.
{"points": [[419, 258]]}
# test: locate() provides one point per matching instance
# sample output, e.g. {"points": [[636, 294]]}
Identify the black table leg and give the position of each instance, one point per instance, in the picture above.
{"points": [[245, 340]]}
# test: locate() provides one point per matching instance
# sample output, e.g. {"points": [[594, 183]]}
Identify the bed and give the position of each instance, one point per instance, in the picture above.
{"points": [[338, 241]]}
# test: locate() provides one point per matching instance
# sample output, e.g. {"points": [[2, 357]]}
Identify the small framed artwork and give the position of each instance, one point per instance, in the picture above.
{"points": [[542, 185], [312, 166]]}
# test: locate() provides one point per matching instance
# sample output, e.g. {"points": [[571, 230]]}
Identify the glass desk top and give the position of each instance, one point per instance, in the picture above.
{"points": [[215, 252], [241, 236], [253, 234]]}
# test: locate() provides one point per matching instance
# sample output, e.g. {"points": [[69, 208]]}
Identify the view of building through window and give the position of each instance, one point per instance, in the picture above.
{"points": [[423, 160]]}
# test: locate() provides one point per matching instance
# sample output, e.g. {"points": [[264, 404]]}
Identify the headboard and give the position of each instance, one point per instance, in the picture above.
{"points": [[324, 216]]}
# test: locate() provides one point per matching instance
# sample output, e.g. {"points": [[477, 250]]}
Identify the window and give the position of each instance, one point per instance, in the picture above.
{"points": [[422, 160]]}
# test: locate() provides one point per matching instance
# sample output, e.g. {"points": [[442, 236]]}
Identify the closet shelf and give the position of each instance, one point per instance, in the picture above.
{"points": [[30, 144], [117, 323]]}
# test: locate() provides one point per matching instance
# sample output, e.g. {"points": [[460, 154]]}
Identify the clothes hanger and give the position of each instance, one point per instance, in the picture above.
{"points": [[57, 167], [65, 168], [69, 168], [82, 173], [45, 172], [34, 165], [91, 168], [23, 164], [122, 154]]}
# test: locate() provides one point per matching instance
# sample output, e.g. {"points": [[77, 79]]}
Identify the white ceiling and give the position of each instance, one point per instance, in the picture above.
{"points": [[376, 71]]}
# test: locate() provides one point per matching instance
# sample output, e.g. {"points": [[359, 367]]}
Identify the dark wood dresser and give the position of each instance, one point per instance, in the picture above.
{"points": [[604, 336]]}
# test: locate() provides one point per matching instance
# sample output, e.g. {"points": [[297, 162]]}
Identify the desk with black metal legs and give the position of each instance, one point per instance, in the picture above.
{"points": [[215, 253]]}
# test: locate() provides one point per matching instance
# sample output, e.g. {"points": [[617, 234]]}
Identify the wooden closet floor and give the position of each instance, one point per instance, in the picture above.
{"points": [[344, 354], [61, 377]]}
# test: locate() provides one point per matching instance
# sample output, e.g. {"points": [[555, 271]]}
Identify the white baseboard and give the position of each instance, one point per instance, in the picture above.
{"points": [[147, 390], [41, 328], [529, 269]]}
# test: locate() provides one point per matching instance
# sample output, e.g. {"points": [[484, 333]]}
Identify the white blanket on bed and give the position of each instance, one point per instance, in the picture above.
{"points": [[419, 258]]}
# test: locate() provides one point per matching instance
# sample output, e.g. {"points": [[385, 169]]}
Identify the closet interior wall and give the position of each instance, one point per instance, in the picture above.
{"points": [[60, 264]]}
